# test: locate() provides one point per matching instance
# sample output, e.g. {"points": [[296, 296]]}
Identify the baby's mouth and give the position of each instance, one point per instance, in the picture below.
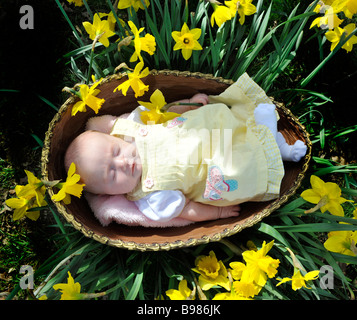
{"points": [[133, 168]]}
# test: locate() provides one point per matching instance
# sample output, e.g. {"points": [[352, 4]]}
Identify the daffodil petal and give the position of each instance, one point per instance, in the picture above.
{"points": [[334, 208], [19, 213], [312, 275], [186, 53], [16, 203], [33, 215], [311, 196], [317, 184], [158, 99], [281, 281]]}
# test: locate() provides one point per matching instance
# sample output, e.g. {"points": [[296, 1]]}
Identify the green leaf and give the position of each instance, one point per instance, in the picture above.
{"points": [[159, 41], [316, 227], [48, 102], [38, 140], [271, 231], [136, 285], [82, 50], [303, 83]]}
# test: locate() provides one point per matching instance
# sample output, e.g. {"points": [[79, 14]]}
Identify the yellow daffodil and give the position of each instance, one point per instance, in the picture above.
{"points": [[212, 272], [259, 265], [233, 294], [111, 20], [28, 197], [186, 40], [343, 242], [70, 290], [88, 98], [298, 281], [134, 81], [246, 288], [330, 19], [34, 188], [146, 43], [230, 295], [155, 115], [243, 7], [350, 8], [335, 37], [237, 269], [77, 3], [136, 4], [24, 203], [70, 187], [245, 285], [326, 196], [220, 15], [183, 292], [99, 28], [321, 6]]}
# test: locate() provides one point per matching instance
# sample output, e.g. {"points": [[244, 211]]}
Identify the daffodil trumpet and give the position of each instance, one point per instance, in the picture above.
{"points": [[169, 105]]}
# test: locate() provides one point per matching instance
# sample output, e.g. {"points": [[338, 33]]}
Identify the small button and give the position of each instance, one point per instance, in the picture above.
{"points": [[143, 131], [149, 183]]}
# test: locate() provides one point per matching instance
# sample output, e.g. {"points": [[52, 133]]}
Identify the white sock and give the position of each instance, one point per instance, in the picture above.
{"points": [[293, 152], [264, 114]]}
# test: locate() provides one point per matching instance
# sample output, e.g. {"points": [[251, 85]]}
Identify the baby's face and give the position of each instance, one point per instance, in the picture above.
{"points": [[109, 165]]}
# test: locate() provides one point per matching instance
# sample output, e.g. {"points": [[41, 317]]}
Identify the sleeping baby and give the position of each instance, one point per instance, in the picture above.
{"points": [[198, 166]]}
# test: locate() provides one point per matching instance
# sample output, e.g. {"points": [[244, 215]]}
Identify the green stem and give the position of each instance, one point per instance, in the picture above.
{"points": [[90, 65], [305, 81], [98, 36]]}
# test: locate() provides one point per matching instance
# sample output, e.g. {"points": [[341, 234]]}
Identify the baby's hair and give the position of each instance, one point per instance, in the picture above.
{"points": [[73, 151]]}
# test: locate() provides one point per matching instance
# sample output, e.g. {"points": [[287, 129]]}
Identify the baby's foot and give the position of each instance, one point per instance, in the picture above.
{"points": [[298, 151], [264, 114], [293, 152], [227, 212]]}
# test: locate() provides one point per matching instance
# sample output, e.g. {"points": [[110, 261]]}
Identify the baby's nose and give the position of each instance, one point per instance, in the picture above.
{"points": [[121, 162]]}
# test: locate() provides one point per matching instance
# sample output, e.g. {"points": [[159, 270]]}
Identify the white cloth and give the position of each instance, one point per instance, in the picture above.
{"points": [[135, 114], [161, 205]]}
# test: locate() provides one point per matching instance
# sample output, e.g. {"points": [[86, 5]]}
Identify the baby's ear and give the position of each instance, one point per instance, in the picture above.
{"points": [[102, 124]]}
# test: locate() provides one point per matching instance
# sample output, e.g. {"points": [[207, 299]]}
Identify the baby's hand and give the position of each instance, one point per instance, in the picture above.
{"points": [[197, 98]]}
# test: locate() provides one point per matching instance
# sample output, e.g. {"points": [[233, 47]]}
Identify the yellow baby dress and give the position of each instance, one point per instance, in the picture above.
{"points": [[215, 154]]}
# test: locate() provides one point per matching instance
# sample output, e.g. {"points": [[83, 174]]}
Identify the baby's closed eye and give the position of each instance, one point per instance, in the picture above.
{"points": [[112, 173], [116, 152]]}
